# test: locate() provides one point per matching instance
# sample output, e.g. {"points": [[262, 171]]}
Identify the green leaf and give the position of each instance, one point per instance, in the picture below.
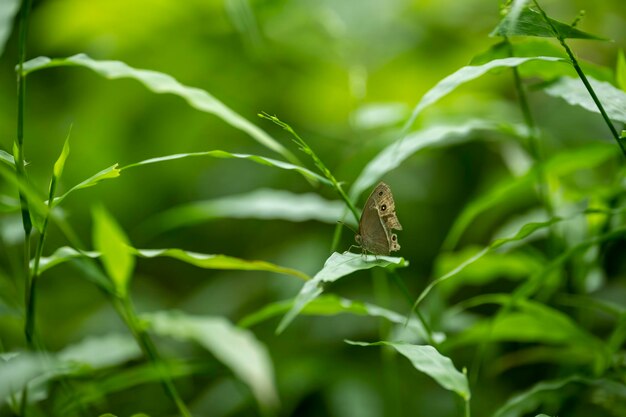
{"points": [[112, 243], [530, 22], [162, 83], [65, 253], [101, 352], [563, 163], [236, 348], [528, 401], [337, 266], [227, 155], [331, 305], [465, 74], [106, 174], [8, 11], [397, 152], [428, 360], [573, 91], [7, 158], [17, 371], [620, 70], [259, 204], [60, 162]]}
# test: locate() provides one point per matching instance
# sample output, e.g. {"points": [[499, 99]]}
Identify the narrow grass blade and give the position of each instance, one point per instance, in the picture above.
{"points": [[308, 174], [8, 11], [200, 260], [108, 173], [337, 266], [236, 348], [428, 360], [564, 163], [7, 158], [396, 153], [332, 305], [530, 400], [529, 22], [620, 70], [573, 91], [162, 83], [259, 204], [112, 243], [466, 74]]}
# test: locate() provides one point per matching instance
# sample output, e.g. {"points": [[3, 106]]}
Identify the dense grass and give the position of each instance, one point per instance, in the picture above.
{"points": [[505, 300]]}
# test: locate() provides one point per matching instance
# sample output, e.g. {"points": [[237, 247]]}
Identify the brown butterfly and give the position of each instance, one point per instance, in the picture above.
{"points": [[377, 221]]}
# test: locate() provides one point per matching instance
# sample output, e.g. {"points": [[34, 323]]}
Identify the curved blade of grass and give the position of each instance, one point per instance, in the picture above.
{"points": [[530, 22], [397, 152], [236, 348], [332, 305], [162, 83], [200, 260], [465, 74], [259, 204], [227, 155], [428, 360], [575, 93], [7, 158], [337, 266], [108, 173], [8, 11], [116, 253], [563, 163], [530, 400]]}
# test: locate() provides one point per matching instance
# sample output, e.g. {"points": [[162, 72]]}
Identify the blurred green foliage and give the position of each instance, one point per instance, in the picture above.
{"points": [[225, 231]]}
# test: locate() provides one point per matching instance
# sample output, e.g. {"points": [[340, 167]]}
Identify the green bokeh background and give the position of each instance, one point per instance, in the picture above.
{"points": [[345, 74]]}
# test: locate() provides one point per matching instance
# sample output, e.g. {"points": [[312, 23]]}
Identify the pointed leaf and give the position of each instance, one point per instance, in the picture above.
{"points": [[530, 22], [337, 266], [112, 243], [574, 92], [620, 70], [227, 155], [7, 158], [161, 84], [236, 348], [60, 162], [107, 173], [428, 360], [258, 204]]}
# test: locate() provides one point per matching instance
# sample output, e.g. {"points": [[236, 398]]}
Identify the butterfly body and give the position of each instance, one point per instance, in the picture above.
{"points": [[377, 222]]}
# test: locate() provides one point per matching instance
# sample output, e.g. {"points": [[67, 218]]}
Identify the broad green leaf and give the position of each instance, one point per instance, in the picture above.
{"points": [[563, 163], [510, 20], [117, 255], [530, 22], [162, 83], [259, 204], [17, 371], [574, 92], [465, 74], [529, 321], [620, 70], [7, 158], [530, 400], [227, 155], [492, 266], [236, 348], [428, 360], [107, 173], [65, 253], [397, 152], [101, 352], [337, 266], [8, 12], [331, 305]]}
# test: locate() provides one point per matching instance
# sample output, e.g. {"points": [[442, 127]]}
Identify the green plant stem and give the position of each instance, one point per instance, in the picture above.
{"points": [[467, 408], [19, 152], [584, 79], [304, 147], [125, 308]]}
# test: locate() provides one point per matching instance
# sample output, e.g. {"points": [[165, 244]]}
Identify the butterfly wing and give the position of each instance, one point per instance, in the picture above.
{"points": [[372, 235], [386, 206]]}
